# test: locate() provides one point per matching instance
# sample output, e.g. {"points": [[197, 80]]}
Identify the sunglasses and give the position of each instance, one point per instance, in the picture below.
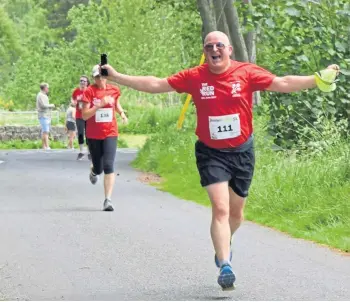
{"points": [[219, 46], [83, 81]]}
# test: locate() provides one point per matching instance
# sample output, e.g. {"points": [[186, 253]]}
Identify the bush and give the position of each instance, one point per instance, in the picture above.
{"points": [[310, 36]]}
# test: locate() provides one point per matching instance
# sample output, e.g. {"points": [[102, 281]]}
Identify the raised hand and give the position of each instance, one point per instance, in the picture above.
{"points": [[111, 71], [335, 67]]}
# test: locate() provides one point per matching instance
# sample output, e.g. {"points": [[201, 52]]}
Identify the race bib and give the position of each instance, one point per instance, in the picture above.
{"points": [[224, 126], [104, 115]]}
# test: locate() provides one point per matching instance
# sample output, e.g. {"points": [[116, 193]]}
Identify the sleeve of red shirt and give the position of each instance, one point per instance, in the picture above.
{"points": [[259, 78], [181, 81]]}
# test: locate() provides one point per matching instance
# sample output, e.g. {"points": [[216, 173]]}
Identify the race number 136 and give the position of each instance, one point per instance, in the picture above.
{"points": [[104, 115]]}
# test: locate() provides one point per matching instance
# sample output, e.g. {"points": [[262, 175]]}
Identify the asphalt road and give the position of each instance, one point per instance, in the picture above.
{"points": [[57, 244]]}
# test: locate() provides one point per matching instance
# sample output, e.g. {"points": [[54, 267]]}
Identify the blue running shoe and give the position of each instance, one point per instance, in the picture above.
{"points": [[217, 260], [226, 278]]}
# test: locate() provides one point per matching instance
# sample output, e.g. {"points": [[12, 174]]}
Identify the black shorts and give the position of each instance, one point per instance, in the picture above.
{"points": [[233, 165], [70, 126]]}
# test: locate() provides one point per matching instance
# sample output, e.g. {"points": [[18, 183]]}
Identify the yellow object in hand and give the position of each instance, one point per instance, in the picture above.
{"points": [[325, 80]]}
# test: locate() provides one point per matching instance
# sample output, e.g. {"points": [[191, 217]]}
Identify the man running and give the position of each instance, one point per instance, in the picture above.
{"points": [[222, 91], [100, 102], [77, 97]]}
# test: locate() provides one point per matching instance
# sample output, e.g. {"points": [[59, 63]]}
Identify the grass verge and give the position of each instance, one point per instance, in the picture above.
{"points": [[133, 140]]}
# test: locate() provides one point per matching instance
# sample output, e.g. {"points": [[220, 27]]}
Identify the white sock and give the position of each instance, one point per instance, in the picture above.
{"points": [[222, 262], [81, 148]]}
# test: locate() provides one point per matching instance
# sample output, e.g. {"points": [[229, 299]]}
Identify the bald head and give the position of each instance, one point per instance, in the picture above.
{"points": [[218, 36]]}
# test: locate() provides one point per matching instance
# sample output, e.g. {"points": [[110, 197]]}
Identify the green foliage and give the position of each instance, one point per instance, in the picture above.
{"points": [[10, 48], [6, 105], [306, 196], [57, 16], [56, 42], [301, 37], [37, 144], [140, 47], [144, 119]]}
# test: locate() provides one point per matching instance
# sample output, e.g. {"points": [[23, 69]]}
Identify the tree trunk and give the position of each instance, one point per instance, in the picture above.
{"points": [[237, 39], [250, 42], [249, 36], [205, 8], [221, 22]]}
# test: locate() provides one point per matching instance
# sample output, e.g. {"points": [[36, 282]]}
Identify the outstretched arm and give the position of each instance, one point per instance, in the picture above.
{"points": [[148, 84], [289, 84]]}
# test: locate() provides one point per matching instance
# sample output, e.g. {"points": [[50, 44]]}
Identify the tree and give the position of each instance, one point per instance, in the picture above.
{"points": [[10, 48], [57, 15]]}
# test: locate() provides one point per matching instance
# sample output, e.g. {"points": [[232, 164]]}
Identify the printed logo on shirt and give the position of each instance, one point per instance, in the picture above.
{"points": [[109, 100], [207, 92], [236, 88], [96, 101]]}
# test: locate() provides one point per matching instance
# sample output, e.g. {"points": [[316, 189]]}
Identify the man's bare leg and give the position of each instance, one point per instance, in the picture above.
{"points": [[45, 140], [220, 227], [237, 204]]}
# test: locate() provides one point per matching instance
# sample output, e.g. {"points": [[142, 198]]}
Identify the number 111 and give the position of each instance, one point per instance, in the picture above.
{"points": [[224, 128]]}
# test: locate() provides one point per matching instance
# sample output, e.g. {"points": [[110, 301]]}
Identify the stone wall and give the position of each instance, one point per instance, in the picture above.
{"points": [[30, 133]]}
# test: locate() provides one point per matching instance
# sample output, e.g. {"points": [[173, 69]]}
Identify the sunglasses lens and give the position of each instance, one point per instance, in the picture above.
{"points": [[218, 45]]}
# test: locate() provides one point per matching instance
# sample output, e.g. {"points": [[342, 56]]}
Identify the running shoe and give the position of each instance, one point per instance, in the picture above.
{"points": [[93, 177], [226, 278], [107, 205]]}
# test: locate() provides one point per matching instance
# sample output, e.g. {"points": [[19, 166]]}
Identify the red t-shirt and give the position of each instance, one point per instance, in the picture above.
{"points": [[77, 95], [103, 124], [224, 102]]}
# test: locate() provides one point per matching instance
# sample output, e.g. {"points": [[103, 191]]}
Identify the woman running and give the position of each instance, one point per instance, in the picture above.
{"points": [[99, 108], [77, 97]]}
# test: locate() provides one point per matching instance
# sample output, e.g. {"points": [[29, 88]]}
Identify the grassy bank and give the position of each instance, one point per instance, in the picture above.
{"points": [[307, 197]]}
